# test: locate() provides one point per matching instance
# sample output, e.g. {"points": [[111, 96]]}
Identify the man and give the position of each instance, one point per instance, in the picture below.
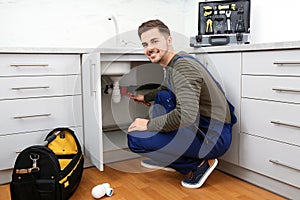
{"points": [[191, 120]]}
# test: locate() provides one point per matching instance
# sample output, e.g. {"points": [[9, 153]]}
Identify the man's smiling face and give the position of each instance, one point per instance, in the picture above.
{"points": [[156, 45]]}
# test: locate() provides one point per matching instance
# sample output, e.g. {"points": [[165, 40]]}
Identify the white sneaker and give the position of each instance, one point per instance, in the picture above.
{"points": [[151, 164]]}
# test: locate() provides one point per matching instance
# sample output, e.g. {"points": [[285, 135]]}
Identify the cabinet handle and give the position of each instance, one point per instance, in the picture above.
{"points": [[281, 63], [31, 116], [29, 65], [30, 88], [285, 124], [285, 90], [283, 164]]}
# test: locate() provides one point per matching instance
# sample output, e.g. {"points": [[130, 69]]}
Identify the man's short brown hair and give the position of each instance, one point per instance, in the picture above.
{"points": [[153, 24]]}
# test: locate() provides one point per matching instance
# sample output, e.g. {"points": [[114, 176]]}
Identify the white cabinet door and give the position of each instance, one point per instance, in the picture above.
{"points": [[91, 84], [273, 120], [39, 64], [226, 68], [271, 158], [32, 114], [39, 86], [271, 88], [283, 62]]}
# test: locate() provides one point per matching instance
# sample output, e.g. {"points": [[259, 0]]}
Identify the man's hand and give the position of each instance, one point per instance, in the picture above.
{"points": [[138, 125], [138, 97]]}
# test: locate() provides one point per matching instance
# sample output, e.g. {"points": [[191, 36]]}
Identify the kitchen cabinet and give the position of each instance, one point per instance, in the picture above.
{"points": [[263, 84], [226, 68], [270, 142], [39, 92], [105, 122], [102, 146]]}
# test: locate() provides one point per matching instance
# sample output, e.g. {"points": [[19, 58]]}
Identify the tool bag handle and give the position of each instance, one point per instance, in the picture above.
{"points": [[51, 137], [57, 131], [53, 134]]}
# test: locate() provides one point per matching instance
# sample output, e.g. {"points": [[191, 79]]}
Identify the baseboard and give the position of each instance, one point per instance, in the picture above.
{"points": [[5, 176], [118, 155], [267, 183]]}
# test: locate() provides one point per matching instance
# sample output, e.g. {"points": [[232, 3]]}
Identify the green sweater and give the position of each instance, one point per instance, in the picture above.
{"points": [[196, 93]]}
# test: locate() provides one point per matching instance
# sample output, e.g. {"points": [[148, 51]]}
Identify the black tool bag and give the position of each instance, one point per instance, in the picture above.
{"points": [[222, 22], [48, 172]]}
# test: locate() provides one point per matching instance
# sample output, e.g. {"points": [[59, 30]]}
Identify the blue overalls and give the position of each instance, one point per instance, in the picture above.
{"points": [[183, 149]]}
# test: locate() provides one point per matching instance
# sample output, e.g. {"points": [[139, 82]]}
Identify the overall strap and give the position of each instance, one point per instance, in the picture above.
{"points": [[231, 107], [203, 66]]}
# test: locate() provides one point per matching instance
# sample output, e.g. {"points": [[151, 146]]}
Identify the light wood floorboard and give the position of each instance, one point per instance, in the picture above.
{"points": [[132, 182]]}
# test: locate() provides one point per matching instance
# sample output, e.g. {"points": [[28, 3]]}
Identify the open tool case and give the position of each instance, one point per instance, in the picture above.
{"points": [[222, 22]]}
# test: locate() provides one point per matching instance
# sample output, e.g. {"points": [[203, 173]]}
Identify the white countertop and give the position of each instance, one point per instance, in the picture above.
{"points": [[52, 50], [121, 50], [247, 47], [63, 50], [124, 50]]}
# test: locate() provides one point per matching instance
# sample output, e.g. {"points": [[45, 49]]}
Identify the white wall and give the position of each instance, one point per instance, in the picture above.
{"points": [[79, 23], [84, 23], [275, 20]]}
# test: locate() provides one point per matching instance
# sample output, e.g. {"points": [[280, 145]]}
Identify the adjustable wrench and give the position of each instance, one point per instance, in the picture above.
{"points": [[228, 14]]}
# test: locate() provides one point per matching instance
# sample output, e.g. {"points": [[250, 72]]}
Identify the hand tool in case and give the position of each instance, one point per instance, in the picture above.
{"points": [[222, 22]]}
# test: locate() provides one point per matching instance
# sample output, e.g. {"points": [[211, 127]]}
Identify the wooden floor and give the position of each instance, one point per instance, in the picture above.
{"points": [[132, 182]]}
